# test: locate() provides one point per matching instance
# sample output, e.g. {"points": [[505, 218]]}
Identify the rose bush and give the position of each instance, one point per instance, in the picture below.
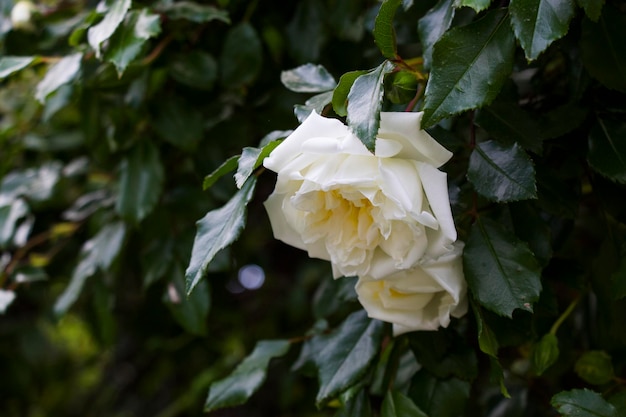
{"points": [[384, 217]]}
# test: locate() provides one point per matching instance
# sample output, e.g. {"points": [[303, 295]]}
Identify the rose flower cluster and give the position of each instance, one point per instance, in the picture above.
{"points": [[384, 217]]}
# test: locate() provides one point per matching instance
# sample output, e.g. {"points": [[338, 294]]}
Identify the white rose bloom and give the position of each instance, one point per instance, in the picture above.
{"points": [[421, 298], [21, 15], [368, 214]]}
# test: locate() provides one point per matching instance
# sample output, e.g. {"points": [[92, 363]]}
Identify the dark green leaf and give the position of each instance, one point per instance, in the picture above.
{"points": [[602, 54], [196, 69], [61, 73], [308, 78], [195, 12], [538, 23], [397, 404], [157, 260], [251, 159], [439, 397], [545, 353], [619, 402], [444, 354], [470, 66], [400, 87], [562, 120], [36, 184], [340, 94], [582, 403], [433, 25], [227, 166], [127, 42], [10, 214], [107, 26], [618, 280], [595, 367], [358, 405], [487, 340], [246, 379], [178, 123], [501, 271], [502, 173], [364, 104], [242, 56], [477, 5], [496, 375], [532, 229], [98, 253], [218, 229], [347, 354], [11, 64], [507, 122], [593, 8], [306, 32], [141, 182], [191, 312], [607, 149], [384, 33]]}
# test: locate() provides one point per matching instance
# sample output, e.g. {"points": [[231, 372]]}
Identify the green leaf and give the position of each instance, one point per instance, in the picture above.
{"points": [[316, 103], [433, 25], [544, 353], [619, 402], [364, 104], [358, 405], [178, 123], [98, 253], [444, 354], [618, 280], [603, 53], [439, 397], [496, 375], [501, 271], [61, 73], [218, 229], [242, 56], [502, 173], [227, 166], [307, 31], [507, 122], [347, 355], [607, 149], [538, 23], [397, 404], [384, 33], [593, 8], [470, 66], [487, 340], [582, 403], [308, 78], [195, 12], [196, 69], [157, 260], [477, 5], [595, 367], [107, 26], [128, 40], [6, 298], [529, 226], [400, 87], [340, 94], [10, 214], [141, 182], [191, 312], [251, 159], [246, 379], [11, 64]]}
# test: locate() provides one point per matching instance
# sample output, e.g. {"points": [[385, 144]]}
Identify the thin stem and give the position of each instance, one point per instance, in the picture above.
{"points": [[418, 94], [565, 315]]}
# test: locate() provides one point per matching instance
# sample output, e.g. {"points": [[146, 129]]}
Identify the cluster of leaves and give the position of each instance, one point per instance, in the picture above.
{"points": [[111, 117]]}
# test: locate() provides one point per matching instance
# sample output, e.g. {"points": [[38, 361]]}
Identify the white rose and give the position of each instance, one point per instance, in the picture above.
{"points": [[421, 298], [21, 15], [368, 214]]}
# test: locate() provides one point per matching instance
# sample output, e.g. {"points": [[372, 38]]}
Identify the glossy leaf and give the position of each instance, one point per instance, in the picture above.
{"points": [[501, 271], [470, 65], [538, 23], [196, 69], [487, 340], [603, 56], [477, 5], [61, 73], [195, 12], [11, 213], [217, 230], [502, 173], [507, 122], [443, 354], [141, 182], [384, 33], [358, 405], [308, 78], [246, 379], [364, 104], [35, 184], [242, 56], [439, 397], [545, 353], [347, 354], [607, 149], [191, 312], [6, 298], [178, 123], [307, 31], [340, 94], [107, 26], [227, 166], [251, 159], [582, 403], [98, 253], [397, 404], [11, 64], [316, 103], [128, 40], [593, 8], [434, 24], [595, 367]]}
